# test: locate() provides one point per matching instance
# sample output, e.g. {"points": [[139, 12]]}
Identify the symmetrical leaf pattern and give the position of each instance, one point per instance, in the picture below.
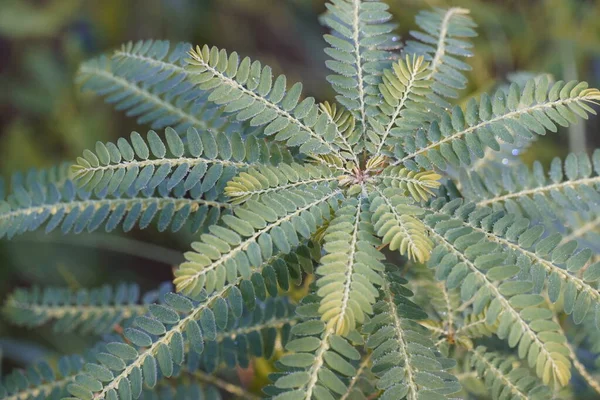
{"points": [[258, 181], [247, 88], [537, 108], [504, 380], [393, 217], [442, 41], [157, 341], [404, 358], [419, 185], [87, 311], [318, 361], [280, 187], [465, 257], [348, 274], [41, 381], [252, 236], [362, 44], [148, 81], [77, 210], [204, 163], [404, 89], [571, 185]]}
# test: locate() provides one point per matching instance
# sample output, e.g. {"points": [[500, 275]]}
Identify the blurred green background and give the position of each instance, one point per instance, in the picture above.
{"points": [[44, 119]]}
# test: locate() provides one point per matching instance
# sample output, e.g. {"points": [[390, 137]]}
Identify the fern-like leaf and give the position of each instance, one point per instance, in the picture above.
{"points": [[94, 311], [318, 359], [551, 262], [554, 262], [257, 181], [247, 88], [404, 90], [41, 381], [572, 186], [536, 108], [204, 163], [349, 269], [347, 137], [228, 325], [157, 341], [257, 231], [419, 185], [466, 258], [442, 42], [404, 358], [147, 80], [27, 209], [395, 222], [253, 334], [361, 46], [505, 380], [485, 255]]}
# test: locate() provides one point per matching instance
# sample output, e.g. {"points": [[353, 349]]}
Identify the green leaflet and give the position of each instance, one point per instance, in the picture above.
{"points": [[203, 164], [504, 380], [537, 108], [360, 50], [349, 268], [442, 42], [467, 258], [62, 205], [271, 225], [569, 185], [247, 88], [319, 361], [41, 380], [148, 81], [407, 363], [95, 311]]}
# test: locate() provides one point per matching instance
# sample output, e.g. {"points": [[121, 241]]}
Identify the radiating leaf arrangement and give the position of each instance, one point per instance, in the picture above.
{"points": [[361, 193]]}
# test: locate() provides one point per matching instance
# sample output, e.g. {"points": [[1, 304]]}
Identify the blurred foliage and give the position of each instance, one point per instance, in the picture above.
{"points": [[21, 19], [44, 119]]}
